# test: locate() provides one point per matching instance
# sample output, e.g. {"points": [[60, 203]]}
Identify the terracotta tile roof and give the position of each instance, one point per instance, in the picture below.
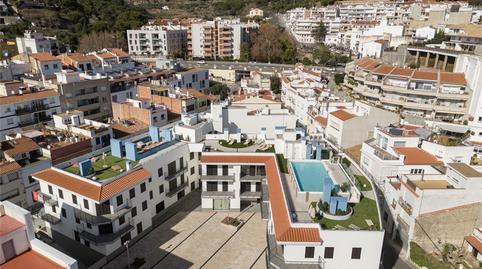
{"points": [[12, 99], [98, 192], [342, 115], [18, 146], [9, 224], [474, 242], [77, 57], [425, 75], [402, 72], [416, 156], [321, 120], [465, 170], [119, 52], [367, 63], [43, 56], [194, 93], [383, 69], [31, 259], [9, 167], [452, 78], [106, 55], [279, 210]]}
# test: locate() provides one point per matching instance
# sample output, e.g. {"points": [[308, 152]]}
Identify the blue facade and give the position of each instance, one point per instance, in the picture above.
{"points": [[327, 187], [318, 152], [85, 167], [131, 151], [309, 151], [116, 147], [154, 133], [166, 135]]}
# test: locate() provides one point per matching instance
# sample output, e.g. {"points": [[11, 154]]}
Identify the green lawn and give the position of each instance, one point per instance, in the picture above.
{"points": [[235, 145], [103, 167], [282, 163], [363, 181], [422, 258], [270, 149], [366, 209]]}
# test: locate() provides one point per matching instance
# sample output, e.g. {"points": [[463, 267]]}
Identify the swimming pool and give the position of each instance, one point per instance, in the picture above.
{"points": [[309, 175]]}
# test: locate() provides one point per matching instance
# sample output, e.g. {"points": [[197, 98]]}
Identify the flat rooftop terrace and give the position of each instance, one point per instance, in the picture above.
{"points": [[103, 167]]}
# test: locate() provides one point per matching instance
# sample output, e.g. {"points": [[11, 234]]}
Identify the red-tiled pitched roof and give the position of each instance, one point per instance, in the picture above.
{"points": [[13, 99], [281, 219], [93, 191], [321, 120], [383, 69], [31, 259], [416, 156], [425, 75], [43, 56], [452, 78], [342, 115], [18, 146], [474, 242], [8, 167], [402, 72]]}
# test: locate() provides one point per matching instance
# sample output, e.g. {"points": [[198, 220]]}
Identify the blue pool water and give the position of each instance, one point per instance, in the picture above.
{"points": [[310, 175]]}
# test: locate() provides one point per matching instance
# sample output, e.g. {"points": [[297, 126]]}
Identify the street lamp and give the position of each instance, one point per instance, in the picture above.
{"points": [[126, 243]]}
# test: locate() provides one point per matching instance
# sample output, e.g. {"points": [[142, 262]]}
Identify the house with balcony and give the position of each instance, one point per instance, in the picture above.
{"points": [[113, 60], [142, 110], [158, 40], [24, 107], [20, 248], [297, 235], [29, 157], [44, 64], [419, 206], [427, 94], [103, 200]]}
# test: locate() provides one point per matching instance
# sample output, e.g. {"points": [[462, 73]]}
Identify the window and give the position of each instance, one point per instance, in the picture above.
{"points": [[63, 212], [139, 227], [329, 251], [144, 205], [161, 188], [225, 186], [77, 220], [191, 155], [119, 200], [46, 66], [355, 253], [143, 187], [151, 195], [192, 170], [56, 66], [416, 171], [159, 172], [86, 204], [87, 243], [54, 209], [149, 179], [159, 207], [122, 219], [61, 194], [309, 252], [89, 225], [134, 212], [74, 199], [51, 191], [212, 186], [385, 216], [132, 193]]}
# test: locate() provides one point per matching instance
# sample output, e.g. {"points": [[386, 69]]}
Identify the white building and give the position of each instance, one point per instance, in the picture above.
{"points": [[193, 127], [255, 12], [229, 179], [159, 40], [196, 78], [425, 33], [20, 248], [373, 49], [102, 211], [33, 42]]}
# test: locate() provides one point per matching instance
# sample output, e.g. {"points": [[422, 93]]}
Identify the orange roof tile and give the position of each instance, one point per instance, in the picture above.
{"points": [[342, 115], [106, 55], [9, 225], [43, 56], [77, 57], [119, 52], [321, 120], [12, 99], [452, 78], [279, 210], [31, 259], [91, 190], [425, 75], [474, 242], [416, 156], [9, 167], [402, 72], [18, 146], [383, 69]]}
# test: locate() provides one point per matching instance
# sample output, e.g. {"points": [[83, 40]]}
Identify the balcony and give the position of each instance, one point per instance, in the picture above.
{"points": [[48, 199], [104, 218], [249, 178], [250, 195], [177, 173], [31, 109], [217, 178], [35, 121], [176, 189], [49, 218], [106, 238], [217, 194], [405, 206]]}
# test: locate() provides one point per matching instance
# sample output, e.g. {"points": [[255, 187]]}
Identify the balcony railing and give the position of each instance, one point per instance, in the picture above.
{"points": [[35, 121], [49, 218], [48, 199], [106, 238], [105, 218], [31, 109], [175, 174], [217, 194], [217, 178], [405, 206], [176, 189]]}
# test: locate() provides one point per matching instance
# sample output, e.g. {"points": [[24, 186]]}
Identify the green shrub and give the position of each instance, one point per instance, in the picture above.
{"points": [[422, 258]]}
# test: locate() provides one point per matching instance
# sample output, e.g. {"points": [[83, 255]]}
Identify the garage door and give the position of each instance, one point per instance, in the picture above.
{"points": [[221, 204]]}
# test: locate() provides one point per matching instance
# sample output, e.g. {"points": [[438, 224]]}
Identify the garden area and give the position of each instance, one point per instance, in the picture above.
{"points": [[103, 166], [363, 183], [420, 257], [236, 144], [282, 163], [365, 210]]}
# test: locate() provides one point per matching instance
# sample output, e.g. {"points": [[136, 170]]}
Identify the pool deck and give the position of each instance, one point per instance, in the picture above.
{"points": [[297, 204]]}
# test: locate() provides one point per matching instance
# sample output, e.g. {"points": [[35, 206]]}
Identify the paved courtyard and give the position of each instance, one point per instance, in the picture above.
{"points": [[198, 239]]}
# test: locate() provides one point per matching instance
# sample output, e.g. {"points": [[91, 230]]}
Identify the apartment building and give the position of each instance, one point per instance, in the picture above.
{"points": [[195, 78], [22, 157], [44, 64], [176, 101], [193, 127], [233, 180], [33, 42], [104, 207], [301, 22], [141, 110], [7, 17], [427, 94], [219, 38], [113, 60], [20, 248], [346, 128], [25, 107], [159, 40]]}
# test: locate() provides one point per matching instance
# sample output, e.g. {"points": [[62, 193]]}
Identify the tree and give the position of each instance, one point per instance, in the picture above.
{"points": [[438, 38], [220, 89], [322, 55], [99, 40], [319, 33], [244, 52], [275, 84], [273, 44], [339, 78]]}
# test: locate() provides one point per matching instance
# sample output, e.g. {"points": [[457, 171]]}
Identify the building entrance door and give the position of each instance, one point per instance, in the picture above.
{"points": [[221, 204]]}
